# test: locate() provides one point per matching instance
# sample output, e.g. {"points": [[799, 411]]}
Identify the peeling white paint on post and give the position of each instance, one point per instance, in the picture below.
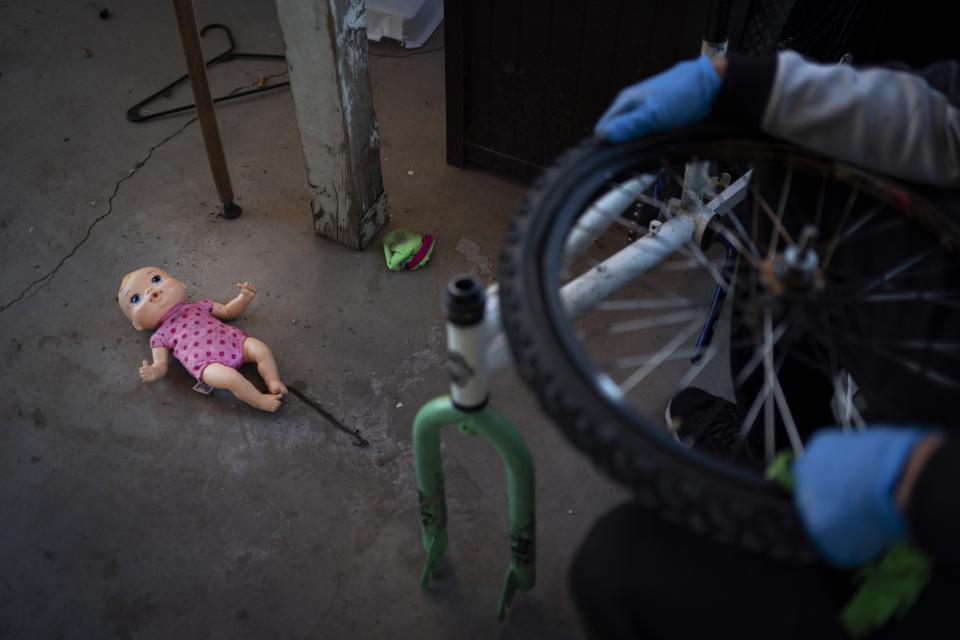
{"points": [[326, 44]]}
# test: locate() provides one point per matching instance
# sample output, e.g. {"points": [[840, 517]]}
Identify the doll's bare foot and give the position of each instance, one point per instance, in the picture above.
{"points": [[268, 402], [223, 377], [255, 350]]}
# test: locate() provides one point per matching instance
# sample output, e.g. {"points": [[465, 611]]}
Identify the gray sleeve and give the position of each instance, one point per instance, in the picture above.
{"points": [[888, 121]]}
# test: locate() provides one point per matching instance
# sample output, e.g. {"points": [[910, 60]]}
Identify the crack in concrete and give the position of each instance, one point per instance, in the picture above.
{"points": [[358, 439], [44, 280], [336, 592]]}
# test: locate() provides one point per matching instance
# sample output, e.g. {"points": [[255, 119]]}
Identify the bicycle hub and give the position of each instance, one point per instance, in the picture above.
{"points": [[796, 269]]}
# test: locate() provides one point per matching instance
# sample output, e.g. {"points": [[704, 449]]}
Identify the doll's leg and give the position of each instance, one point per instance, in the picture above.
{"points": [[256, 351], [223, 377]]}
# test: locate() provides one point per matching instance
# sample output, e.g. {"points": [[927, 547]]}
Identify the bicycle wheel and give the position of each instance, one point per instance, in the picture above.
{"points": [[841, 308]]}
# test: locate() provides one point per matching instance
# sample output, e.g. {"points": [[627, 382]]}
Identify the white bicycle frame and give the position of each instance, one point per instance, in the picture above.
{"points": [[687, 223], [599, 283]]}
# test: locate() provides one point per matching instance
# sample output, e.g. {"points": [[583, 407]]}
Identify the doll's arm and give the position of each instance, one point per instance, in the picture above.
{"points": [[150, 372], [236, 306]]}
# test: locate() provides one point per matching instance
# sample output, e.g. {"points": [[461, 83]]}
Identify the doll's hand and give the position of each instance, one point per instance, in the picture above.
{"points": [[248, 290], [151, 372]]}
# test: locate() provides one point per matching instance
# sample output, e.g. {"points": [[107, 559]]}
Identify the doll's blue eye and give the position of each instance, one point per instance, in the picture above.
{"points": [[156, 279], [135, 298]]}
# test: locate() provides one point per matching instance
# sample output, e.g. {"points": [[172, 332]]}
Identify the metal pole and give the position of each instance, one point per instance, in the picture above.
{"points": [[187, 23]]}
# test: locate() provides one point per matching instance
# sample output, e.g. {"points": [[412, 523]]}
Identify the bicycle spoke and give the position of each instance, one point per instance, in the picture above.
{"points": [[754, 251], [758, 357], [945, 298], [777, 219], [938, 347], [849, 415], [659, 357], [916, 367], [878, 292], [820, 363], [859, 224], [883, 227], [769, 382], [738, 246], [835, 241], [704, 262], [846, 413], [791, 427], [759, 402], [780, 230], [695, 369], [889, 276], [631, 362], [818, 215], [784, 193], [755, 213], [657, 321], [764, 400], [647, 303]]}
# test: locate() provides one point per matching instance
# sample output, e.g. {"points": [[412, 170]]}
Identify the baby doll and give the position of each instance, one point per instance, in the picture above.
{"points": [[210, 350]]}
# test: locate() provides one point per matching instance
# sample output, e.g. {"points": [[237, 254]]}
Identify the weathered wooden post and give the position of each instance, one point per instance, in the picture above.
{"points": [[326, 44]]}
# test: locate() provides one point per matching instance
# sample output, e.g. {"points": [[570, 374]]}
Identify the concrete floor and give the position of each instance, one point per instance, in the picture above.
{"points": [[133, 511]]}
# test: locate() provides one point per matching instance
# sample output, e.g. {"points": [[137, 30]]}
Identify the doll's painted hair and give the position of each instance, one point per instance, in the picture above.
{"points": [[122, 283]]}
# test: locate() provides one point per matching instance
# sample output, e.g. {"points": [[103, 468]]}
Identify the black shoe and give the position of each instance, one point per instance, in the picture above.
{"points": [[702, 420]]}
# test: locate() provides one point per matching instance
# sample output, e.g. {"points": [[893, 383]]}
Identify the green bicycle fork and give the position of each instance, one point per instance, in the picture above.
{"points": [[467, 406]]}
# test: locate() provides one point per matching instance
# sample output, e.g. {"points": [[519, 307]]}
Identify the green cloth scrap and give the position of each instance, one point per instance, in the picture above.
{"points": [[780, 472], [885, 588], [400, 245], [888, 587]]}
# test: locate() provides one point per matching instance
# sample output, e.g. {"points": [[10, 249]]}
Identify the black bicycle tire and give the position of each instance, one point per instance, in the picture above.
{"points": [[726, 503]]}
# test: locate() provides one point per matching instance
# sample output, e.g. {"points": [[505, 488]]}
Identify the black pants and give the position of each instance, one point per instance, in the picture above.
{"points": [[639, 577]]}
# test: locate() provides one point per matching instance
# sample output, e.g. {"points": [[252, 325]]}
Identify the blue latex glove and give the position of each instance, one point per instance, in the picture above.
{"points": [[844, 491], [681, 95]]}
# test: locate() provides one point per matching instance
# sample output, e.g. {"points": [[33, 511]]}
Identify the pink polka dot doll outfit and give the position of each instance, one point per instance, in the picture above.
{"points": [[197, 339]]}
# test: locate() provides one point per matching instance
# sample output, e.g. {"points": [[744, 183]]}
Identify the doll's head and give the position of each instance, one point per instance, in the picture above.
{"points": [[148, 293]]}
